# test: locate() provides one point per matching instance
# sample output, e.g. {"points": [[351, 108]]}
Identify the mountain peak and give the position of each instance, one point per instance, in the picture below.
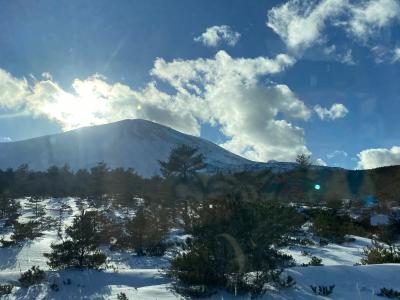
{"points": [[131, 143]]}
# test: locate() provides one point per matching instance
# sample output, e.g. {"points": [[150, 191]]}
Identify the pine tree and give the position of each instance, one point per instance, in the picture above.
{"points": [[80, 249], [304, 161], [36, 203], [182, 162], [8, 207], [147, 231], [98, 183], [231, 238]]}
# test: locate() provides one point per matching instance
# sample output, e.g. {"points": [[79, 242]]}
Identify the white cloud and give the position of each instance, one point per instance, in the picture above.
{"points": [[12, 90], [228, 91], [374, 158], [92, 101], [369, 16], [302, 24], [396, 55], [347, 58], [336, 111], [337, 153], [320, 162], [47, 76], [344, 57], [385, 54], [5, 139], [221, 90], [215, 35]]}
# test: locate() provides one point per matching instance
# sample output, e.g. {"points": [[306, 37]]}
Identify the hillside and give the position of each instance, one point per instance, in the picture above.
{"points": [[136, 144]]}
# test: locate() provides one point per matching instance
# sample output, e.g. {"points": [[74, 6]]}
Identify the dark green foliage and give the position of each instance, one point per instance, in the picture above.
{"points": [[196, 267], [5, 289], [247, 285], [378, 253], [8, 208], [122, 296], [36, 204], [254, 284], [287, 282], [296, 185], [147, 231], [98, 183], [327, 224], [304, 161], [63, 208], [62, 182], [322, 290], [323, 242], [59, 180], [389, 293], [281, 281], [31, 277], [6, 244], [25, 231], [231, 238], [182, 162], [389, 234], [315, 261], [194, 291], [80, 249]]}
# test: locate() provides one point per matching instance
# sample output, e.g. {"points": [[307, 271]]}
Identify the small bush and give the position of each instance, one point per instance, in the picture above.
{"points": [[322, 290], [194, 291], [306, 242], [31, 277], [158, 249], [305, 253], [248, 285], [323, 242], [5, 289], [122, 296], [379, 254], [7, 244], [315, 261], [281, 281], [255, 284], [389, 293], [286, 282]]}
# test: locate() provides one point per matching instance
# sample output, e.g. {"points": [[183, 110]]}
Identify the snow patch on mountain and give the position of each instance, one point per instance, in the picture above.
{"points": [[136, 144]]}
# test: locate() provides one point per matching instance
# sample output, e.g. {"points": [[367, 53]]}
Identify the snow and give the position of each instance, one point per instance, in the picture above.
{"points": [[379, 219], [332, 254], [136, 144], [142, 277]]}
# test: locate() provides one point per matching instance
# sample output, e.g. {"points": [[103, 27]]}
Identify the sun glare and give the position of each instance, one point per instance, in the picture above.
{"points": [[76, 111]]}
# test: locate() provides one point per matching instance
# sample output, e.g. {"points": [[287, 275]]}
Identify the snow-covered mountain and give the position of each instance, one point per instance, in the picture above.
{"points": [[137, 144]]}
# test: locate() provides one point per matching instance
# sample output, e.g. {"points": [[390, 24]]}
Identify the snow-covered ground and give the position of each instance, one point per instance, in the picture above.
{"points": [[141, 277], [347, 254]]}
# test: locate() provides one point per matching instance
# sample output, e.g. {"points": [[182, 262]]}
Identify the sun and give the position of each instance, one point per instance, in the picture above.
{"points": [[75, 111]]}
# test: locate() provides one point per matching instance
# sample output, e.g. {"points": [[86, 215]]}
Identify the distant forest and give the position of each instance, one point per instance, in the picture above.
{"points": [[298, 185]]}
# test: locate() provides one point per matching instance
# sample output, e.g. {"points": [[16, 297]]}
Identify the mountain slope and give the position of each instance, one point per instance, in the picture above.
{"points": [[138, 144]]}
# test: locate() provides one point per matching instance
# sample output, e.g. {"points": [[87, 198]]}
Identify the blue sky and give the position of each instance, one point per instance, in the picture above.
{"points": [[264, 79]]}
